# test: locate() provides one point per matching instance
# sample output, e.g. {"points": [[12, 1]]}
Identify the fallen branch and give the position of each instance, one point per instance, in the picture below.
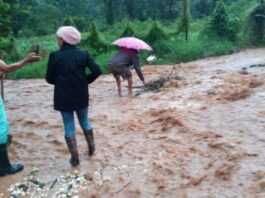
{"points": [[124, 187], [156, 85]]}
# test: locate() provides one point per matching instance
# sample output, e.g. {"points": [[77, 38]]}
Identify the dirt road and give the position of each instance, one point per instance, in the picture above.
{"points": [[201, 136]]}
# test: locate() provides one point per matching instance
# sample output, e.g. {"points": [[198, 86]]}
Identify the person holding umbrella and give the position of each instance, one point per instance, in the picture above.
{"points": [[67, 72], [127, 56], [6, 167]]}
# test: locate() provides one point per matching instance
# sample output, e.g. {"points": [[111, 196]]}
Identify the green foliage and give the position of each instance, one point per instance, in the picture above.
{"points": [[12, 50], [102, 61], [128, 31], [255, 26], [186, 19], [9, 48], [219, 21], [4, 43], [202, 8], [176, 50], [34, 70], [80, 23], [5, 19], [157, 26], [68, 21], [94, 41], [156, 33]]}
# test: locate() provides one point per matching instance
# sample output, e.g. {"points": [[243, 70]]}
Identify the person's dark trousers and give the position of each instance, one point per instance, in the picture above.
{"points": [[72, 147], [9, 139], [5, 167], [90, 141]]}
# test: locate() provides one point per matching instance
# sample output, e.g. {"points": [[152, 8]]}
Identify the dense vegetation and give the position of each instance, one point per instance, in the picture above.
{"points": [[178, 30]]}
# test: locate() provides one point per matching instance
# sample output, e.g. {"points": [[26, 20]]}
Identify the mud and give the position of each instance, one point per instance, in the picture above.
{"points": [[201, 136]]}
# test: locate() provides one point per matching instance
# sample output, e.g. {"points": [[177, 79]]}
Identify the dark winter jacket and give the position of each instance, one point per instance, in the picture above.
{"points": [[66, 70]]}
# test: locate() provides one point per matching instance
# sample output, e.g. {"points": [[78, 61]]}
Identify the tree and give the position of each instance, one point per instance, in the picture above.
{"points": [[109, 9], [156, 33], [70, 7], [256, 24], [68, 21], [94, 41], [128, 31], [219, 20], [130, 8], [18, 13], [202, 8], [5, 19], [186, 19]]}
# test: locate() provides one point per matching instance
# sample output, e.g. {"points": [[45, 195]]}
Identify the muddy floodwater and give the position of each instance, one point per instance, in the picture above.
{"points": [[201, 136]]}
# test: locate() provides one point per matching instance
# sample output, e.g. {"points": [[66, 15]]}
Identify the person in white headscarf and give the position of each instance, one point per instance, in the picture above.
{"points": [[67, 72]]}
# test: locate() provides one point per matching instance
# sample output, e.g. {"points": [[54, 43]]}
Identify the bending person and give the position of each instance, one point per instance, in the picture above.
{"points": [[66, 71], [5, 166], [120, 64]]}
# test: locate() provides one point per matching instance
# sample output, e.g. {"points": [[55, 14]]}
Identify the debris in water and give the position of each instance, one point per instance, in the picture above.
{"points": [[156, 85], [67, 186]]}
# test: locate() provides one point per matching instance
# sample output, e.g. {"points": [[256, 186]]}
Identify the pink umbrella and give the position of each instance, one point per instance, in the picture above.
{"points": [[132, 43]]}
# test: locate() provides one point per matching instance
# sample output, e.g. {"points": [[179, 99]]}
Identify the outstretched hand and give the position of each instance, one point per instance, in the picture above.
{"points": [[32, 57]]}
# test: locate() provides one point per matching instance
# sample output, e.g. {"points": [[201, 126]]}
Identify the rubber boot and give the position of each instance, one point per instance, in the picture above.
{"points": [[71, 144], [90, 141], [5, 167]]}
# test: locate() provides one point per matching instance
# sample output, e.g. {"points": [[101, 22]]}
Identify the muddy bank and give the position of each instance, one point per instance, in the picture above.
{"points": [[201, 136]]}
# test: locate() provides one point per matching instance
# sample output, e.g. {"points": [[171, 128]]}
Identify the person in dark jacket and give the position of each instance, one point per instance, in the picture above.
{"points": [[6, 167], [66, 71], [120, 64]]}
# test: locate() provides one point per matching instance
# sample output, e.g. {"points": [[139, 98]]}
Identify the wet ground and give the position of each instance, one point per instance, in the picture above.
{"points": [[201, 136]]}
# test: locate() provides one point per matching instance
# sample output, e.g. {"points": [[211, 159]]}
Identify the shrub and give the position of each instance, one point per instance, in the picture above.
{"points": [[80, 23], [128, 31], [68, 21], [34, 70], [156, 33], [219, 20], [94, 41], [255, 27]]}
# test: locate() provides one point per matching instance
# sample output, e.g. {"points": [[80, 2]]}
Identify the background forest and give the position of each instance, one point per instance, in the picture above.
{"points": [[178, 30]]}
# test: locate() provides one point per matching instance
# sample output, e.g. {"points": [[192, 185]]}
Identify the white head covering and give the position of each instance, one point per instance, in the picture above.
{"points": [[69, 34]]}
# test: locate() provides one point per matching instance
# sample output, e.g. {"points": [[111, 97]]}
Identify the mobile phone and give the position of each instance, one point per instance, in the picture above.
{"points": [[35, 49]]}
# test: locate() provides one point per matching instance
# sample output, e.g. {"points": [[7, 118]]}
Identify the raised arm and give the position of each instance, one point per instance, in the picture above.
{"points": [[7, 68]]}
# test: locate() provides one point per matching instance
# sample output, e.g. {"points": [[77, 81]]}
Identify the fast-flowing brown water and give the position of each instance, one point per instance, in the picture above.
{"points": [[202, 136]]}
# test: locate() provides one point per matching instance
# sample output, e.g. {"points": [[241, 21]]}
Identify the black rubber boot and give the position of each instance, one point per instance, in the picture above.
{"points": [[5, 167], [90, 141], [71, 143]]}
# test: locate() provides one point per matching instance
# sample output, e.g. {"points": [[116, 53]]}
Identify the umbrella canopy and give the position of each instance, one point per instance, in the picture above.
{"points": [[132, 43]]}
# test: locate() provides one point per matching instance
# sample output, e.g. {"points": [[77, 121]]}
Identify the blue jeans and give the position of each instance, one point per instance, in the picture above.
{"points": [[69, 122]]}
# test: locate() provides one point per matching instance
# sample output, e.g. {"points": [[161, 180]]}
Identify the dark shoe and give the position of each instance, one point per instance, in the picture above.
{"points": [[71, 143], [12, 169], [90, 141], [5, 167]]}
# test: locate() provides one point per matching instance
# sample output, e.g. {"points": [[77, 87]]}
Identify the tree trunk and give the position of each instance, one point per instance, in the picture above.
{"points": [[109, 9], [185, 19]]}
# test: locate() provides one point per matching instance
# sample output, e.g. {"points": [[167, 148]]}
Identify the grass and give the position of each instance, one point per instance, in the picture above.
{"points": [[174, 50]]}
